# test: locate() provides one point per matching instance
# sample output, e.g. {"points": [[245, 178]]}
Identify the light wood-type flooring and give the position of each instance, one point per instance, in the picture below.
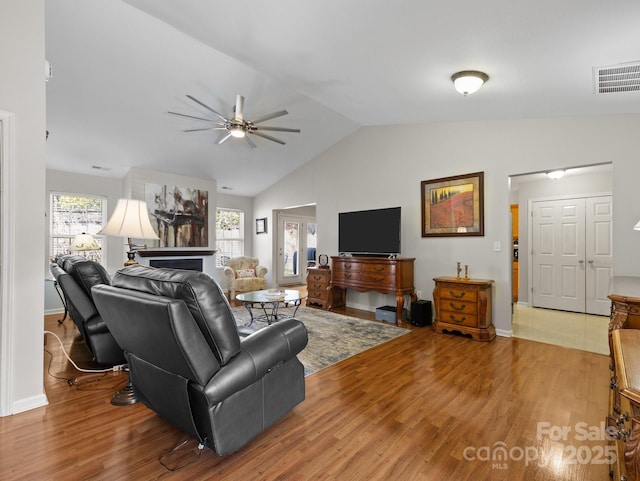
{"points": [[424, 406]]}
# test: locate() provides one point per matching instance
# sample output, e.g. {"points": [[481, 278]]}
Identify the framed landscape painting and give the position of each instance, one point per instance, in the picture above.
{"points": [[453, 206]]}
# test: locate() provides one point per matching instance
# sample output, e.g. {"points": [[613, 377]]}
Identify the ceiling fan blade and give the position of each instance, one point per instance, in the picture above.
{"points": [[278, 129], [206, 107], [250, 142], [223, 139], [268, 137], [270, 116], [206, 128], [239, 108], [197, 118]]}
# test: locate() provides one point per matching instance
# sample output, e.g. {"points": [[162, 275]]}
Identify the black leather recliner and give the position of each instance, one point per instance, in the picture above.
{"points": [[188, 363], [76, 276]]}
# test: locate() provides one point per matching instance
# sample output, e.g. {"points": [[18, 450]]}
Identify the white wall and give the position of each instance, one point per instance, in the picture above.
{"points": [[22, 92], [383, 166]]}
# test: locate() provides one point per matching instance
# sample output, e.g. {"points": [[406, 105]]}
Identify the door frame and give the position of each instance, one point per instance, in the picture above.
{"points": [[279, 274], [529, 254], [7, 261]]}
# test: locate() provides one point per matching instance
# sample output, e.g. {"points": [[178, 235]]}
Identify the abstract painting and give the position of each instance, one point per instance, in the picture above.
{"points": [[179, 215]]}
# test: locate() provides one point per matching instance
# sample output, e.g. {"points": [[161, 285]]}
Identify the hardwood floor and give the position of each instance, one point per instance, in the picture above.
{"points": [[425, 406]]}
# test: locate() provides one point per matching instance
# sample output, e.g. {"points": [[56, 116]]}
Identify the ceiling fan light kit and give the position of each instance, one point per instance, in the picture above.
{"points": [[237, 126], [469, 81]]}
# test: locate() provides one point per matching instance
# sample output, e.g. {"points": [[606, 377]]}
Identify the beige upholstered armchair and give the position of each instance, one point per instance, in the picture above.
{"points": [[244, 275]]}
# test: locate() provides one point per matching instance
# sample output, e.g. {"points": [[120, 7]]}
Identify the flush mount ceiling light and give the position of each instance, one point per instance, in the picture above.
{"points": [[468, 81], [556, 174]]}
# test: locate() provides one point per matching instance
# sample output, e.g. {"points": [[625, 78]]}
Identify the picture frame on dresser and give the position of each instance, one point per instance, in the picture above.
{"points": [[453, 206]]}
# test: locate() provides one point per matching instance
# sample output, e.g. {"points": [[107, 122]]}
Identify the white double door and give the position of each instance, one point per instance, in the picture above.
{"points": [[572, 254]]}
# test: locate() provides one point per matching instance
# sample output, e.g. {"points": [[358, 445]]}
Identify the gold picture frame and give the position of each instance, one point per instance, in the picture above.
{"points": [[453, 206]]}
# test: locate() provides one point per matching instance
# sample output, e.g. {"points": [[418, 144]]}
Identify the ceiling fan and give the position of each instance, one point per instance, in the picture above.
{"points": [[238, 126]]}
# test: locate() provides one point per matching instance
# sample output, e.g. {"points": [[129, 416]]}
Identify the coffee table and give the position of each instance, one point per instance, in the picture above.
{"points": [[270, 301]]}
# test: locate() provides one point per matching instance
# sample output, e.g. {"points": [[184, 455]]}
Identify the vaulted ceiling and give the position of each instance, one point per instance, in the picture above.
{"points": [[120, 66]]}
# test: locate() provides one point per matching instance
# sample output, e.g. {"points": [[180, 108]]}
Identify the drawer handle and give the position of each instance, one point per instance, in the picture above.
{"points": [[378, 268], [614, 383], [461, 308], [460, 296], [624, 417], [457, 320], [622, 434], [378, 278], [317, 278], [347, 275], [347, 266]]}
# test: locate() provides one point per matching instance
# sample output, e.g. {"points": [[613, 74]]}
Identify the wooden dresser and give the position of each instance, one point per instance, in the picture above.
{"points": [[380, 274], [624, 395], [623, 424], [319, 290], [464, 306]]}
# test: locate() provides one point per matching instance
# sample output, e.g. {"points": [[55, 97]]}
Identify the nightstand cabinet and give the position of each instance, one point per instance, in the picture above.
{"points": [[464, 306], [319, 291]]}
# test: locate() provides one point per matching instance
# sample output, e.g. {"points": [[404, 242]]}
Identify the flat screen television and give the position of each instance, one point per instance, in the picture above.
{"points": [[369, 232]]}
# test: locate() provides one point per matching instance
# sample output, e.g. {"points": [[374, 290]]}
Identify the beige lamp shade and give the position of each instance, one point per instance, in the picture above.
{"points": [[84, 242], [130, 219]]}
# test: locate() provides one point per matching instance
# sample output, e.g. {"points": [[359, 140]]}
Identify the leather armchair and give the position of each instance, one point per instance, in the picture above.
{"points": [[188, 363], [76, 276], [244, 274]]}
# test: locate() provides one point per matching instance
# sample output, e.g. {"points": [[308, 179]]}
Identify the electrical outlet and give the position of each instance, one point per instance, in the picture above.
{"points": [[419, 294]]}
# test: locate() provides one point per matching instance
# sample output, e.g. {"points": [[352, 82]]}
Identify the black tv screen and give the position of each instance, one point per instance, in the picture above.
{"points": [[369, 232]]}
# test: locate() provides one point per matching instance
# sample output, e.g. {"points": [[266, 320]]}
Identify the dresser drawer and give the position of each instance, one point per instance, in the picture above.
{"points": [[461, 307], [458, 318], [316, 285], [347, 267], [363, 277], [458, 294], [318, 278], [321, 294], [387, 269]]}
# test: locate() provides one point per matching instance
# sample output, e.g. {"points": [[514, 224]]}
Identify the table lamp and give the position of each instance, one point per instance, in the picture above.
{"points": [[84, 243], [130, 220]]}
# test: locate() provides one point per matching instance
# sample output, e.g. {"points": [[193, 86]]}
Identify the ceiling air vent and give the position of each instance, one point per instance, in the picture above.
{"points": [[624, 77]]}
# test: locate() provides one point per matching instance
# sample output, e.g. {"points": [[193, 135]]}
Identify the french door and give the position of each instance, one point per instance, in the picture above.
{"points": [[572, 254], [296, 247]]}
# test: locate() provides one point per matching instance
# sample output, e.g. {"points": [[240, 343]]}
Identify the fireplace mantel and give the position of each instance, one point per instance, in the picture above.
{"points": [[174, 253]]}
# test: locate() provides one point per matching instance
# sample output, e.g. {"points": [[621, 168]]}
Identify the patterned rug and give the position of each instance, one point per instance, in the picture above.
{"points": [[332, 337]]}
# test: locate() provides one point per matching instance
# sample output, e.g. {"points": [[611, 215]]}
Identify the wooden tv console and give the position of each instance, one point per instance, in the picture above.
{"points": [[380, 274]]}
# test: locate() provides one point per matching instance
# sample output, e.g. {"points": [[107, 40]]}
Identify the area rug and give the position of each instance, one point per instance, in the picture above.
{"points": [[332, 337]]}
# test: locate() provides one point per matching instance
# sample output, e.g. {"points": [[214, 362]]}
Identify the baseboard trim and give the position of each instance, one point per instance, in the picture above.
{"points": [[504, 333], [29, 403], [53, 311]]}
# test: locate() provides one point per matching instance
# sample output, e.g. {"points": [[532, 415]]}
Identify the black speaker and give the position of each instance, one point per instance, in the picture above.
{"points": [[421, 313]]}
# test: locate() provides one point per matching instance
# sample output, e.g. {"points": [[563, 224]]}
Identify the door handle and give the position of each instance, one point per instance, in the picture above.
{"points": [[581, 261], [591, 261]]}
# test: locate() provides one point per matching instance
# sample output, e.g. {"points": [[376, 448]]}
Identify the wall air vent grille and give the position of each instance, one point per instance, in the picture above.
{"points": [[617, 78]]}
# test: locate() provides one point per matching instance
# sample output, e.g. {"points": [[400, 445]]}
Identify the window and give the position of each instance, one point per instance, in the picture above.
{"points": [[73, 214], [229, 235]]}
